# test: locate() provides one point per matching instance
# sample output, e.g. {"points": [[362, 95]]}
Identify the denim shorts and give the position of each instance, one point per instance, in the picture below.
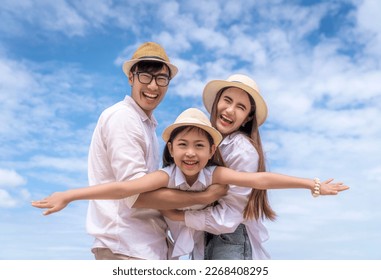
{"points": [[229, 246]]}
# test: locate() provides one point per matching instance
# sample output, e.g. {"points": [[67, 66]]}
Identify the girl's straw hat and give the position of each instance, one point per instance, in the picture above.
{"points": [[193, 117], [240, 81], [149, 51]]}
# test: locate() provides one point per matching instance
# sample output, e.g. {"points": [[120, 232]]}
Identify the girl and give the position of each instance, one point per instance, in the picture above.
{"points": [[188, 165]]}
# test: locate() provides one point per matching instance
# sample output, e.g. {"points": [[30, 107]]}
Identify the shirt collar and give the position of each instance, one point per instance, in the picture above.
{"points": [[228, 139], [180, 178], [129, 100]]}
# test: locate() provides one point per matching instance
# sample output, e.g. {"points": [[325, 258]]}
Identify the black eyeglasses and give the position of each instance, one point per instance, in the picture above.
{"points": [[146, 78]]}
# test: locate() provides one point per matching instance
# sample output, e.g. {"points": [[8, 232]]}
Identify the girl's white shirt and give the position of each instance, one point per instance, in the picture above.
{"points": [[124, 147], [187, 241], [240, 155]]}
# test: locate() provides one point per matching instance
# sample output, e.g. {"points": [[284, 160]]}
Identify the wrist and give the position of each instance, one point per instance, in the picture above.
{"points": [[204, 198], [70, 195], [200, 197], [316, 187]]}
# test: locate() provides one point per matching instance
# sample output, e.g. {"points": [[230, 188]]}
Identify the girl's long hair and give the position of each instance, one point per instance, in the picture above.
{"points": [[258, 206]]}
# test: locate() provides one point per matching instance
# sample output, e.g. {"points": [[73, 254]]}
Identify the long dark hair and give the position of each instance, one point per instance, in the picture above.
{"points": [[258, 206], [168, 159]]}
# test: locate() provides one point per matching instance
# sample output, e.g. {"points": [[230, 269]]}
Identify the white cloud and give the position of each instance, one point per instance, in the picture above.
{"points": [[367, 25], [6, 200], [65, 164], [44, 15], [11, 193], [55, 180], [10, 179]]}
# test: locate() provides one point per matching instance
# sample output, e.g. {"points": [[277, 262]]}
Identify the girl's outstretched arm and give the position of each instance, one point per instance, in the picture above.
{"points": [[267, 180], [114, 190]]}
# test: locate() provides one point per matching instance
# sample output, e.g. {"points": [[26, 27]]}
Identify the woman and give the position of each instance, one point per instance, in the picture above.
{"points": [[237, 110]]}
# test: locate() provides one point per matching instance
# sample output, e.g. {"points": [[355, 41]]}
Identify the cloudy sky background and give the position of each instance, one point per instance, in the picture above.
{"points": [[317, 63]]}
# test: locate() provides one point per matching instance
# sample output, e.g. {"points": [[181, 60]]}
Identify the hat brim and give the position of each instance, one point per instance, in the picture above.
{"points": [[217, 137], [213, 87], [128, 64]]}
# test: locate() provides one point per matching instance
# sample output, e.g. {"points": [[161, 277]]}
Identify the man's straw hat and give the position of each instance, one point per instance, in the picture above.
{"points": [[193, 117], [239, 81], [149, 51]]}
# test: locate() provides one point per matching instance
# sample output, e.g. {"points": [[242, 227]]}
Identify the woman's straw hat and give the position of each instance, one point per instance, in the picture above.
{"points": [[149, 51], [193, 117], [239, 81]]}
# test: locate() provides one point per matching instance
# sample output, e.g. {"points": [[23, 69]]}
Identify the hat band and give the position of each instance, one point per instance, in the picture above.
{"points": [[153, 57]]}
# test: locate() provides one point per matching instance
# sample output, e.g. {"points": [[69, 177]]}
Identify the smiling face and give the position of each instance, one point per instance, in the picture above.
{"points": [[148, 96], [191, 151], [233, 109]]}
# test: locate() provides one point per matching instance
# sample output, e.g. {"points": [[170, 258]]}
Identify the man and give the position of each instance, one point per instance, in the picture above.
{"points": [[125, 146]]}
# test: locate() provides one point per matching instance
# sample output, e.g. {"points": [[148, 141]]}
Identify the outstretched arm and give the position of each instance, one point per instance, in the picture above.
{"points": [[263, 181], [114, 190], [267, 180]]}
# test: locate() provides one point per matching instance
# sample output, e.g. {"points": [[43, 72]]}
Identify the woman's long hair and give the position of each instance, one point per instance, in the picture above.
{"points": [[258, 206]]}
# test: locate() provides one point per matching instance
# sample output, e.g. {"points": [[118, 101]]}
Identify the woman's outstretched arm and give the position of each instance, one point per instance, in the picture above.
{"points": [[268, 180]]}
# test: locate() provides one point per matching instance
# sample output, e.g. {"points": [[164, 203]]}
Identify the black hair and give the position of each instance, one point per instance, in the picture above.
{"points": [[150, 66], [168, 159]]}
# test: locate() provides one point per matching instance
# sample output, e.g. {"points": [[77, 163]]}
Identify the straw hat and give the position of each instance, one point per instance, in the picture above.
{"points": [[193, 117], [149, 51], [240, 81]]}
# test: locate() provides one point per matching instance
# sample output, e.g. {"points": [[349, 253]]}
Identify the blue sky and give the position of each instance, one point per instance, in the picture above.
{"points": [[317, 63]]}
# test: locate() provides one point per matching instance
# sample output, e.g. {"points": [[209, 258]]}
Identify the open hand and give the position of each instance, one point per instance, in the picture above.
{"points": [[329, 188], [53, 203]]}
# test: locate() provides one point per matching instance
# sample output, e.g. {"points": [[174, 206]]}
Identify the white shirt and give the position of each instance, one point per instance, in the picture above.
{"points": [[187, 241], [238, 154], [125, 146]]}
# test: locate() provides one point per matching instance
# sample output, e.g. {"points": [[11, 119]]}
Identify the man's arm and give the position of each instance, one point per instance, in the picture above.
{"points": [[166, 198]]}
